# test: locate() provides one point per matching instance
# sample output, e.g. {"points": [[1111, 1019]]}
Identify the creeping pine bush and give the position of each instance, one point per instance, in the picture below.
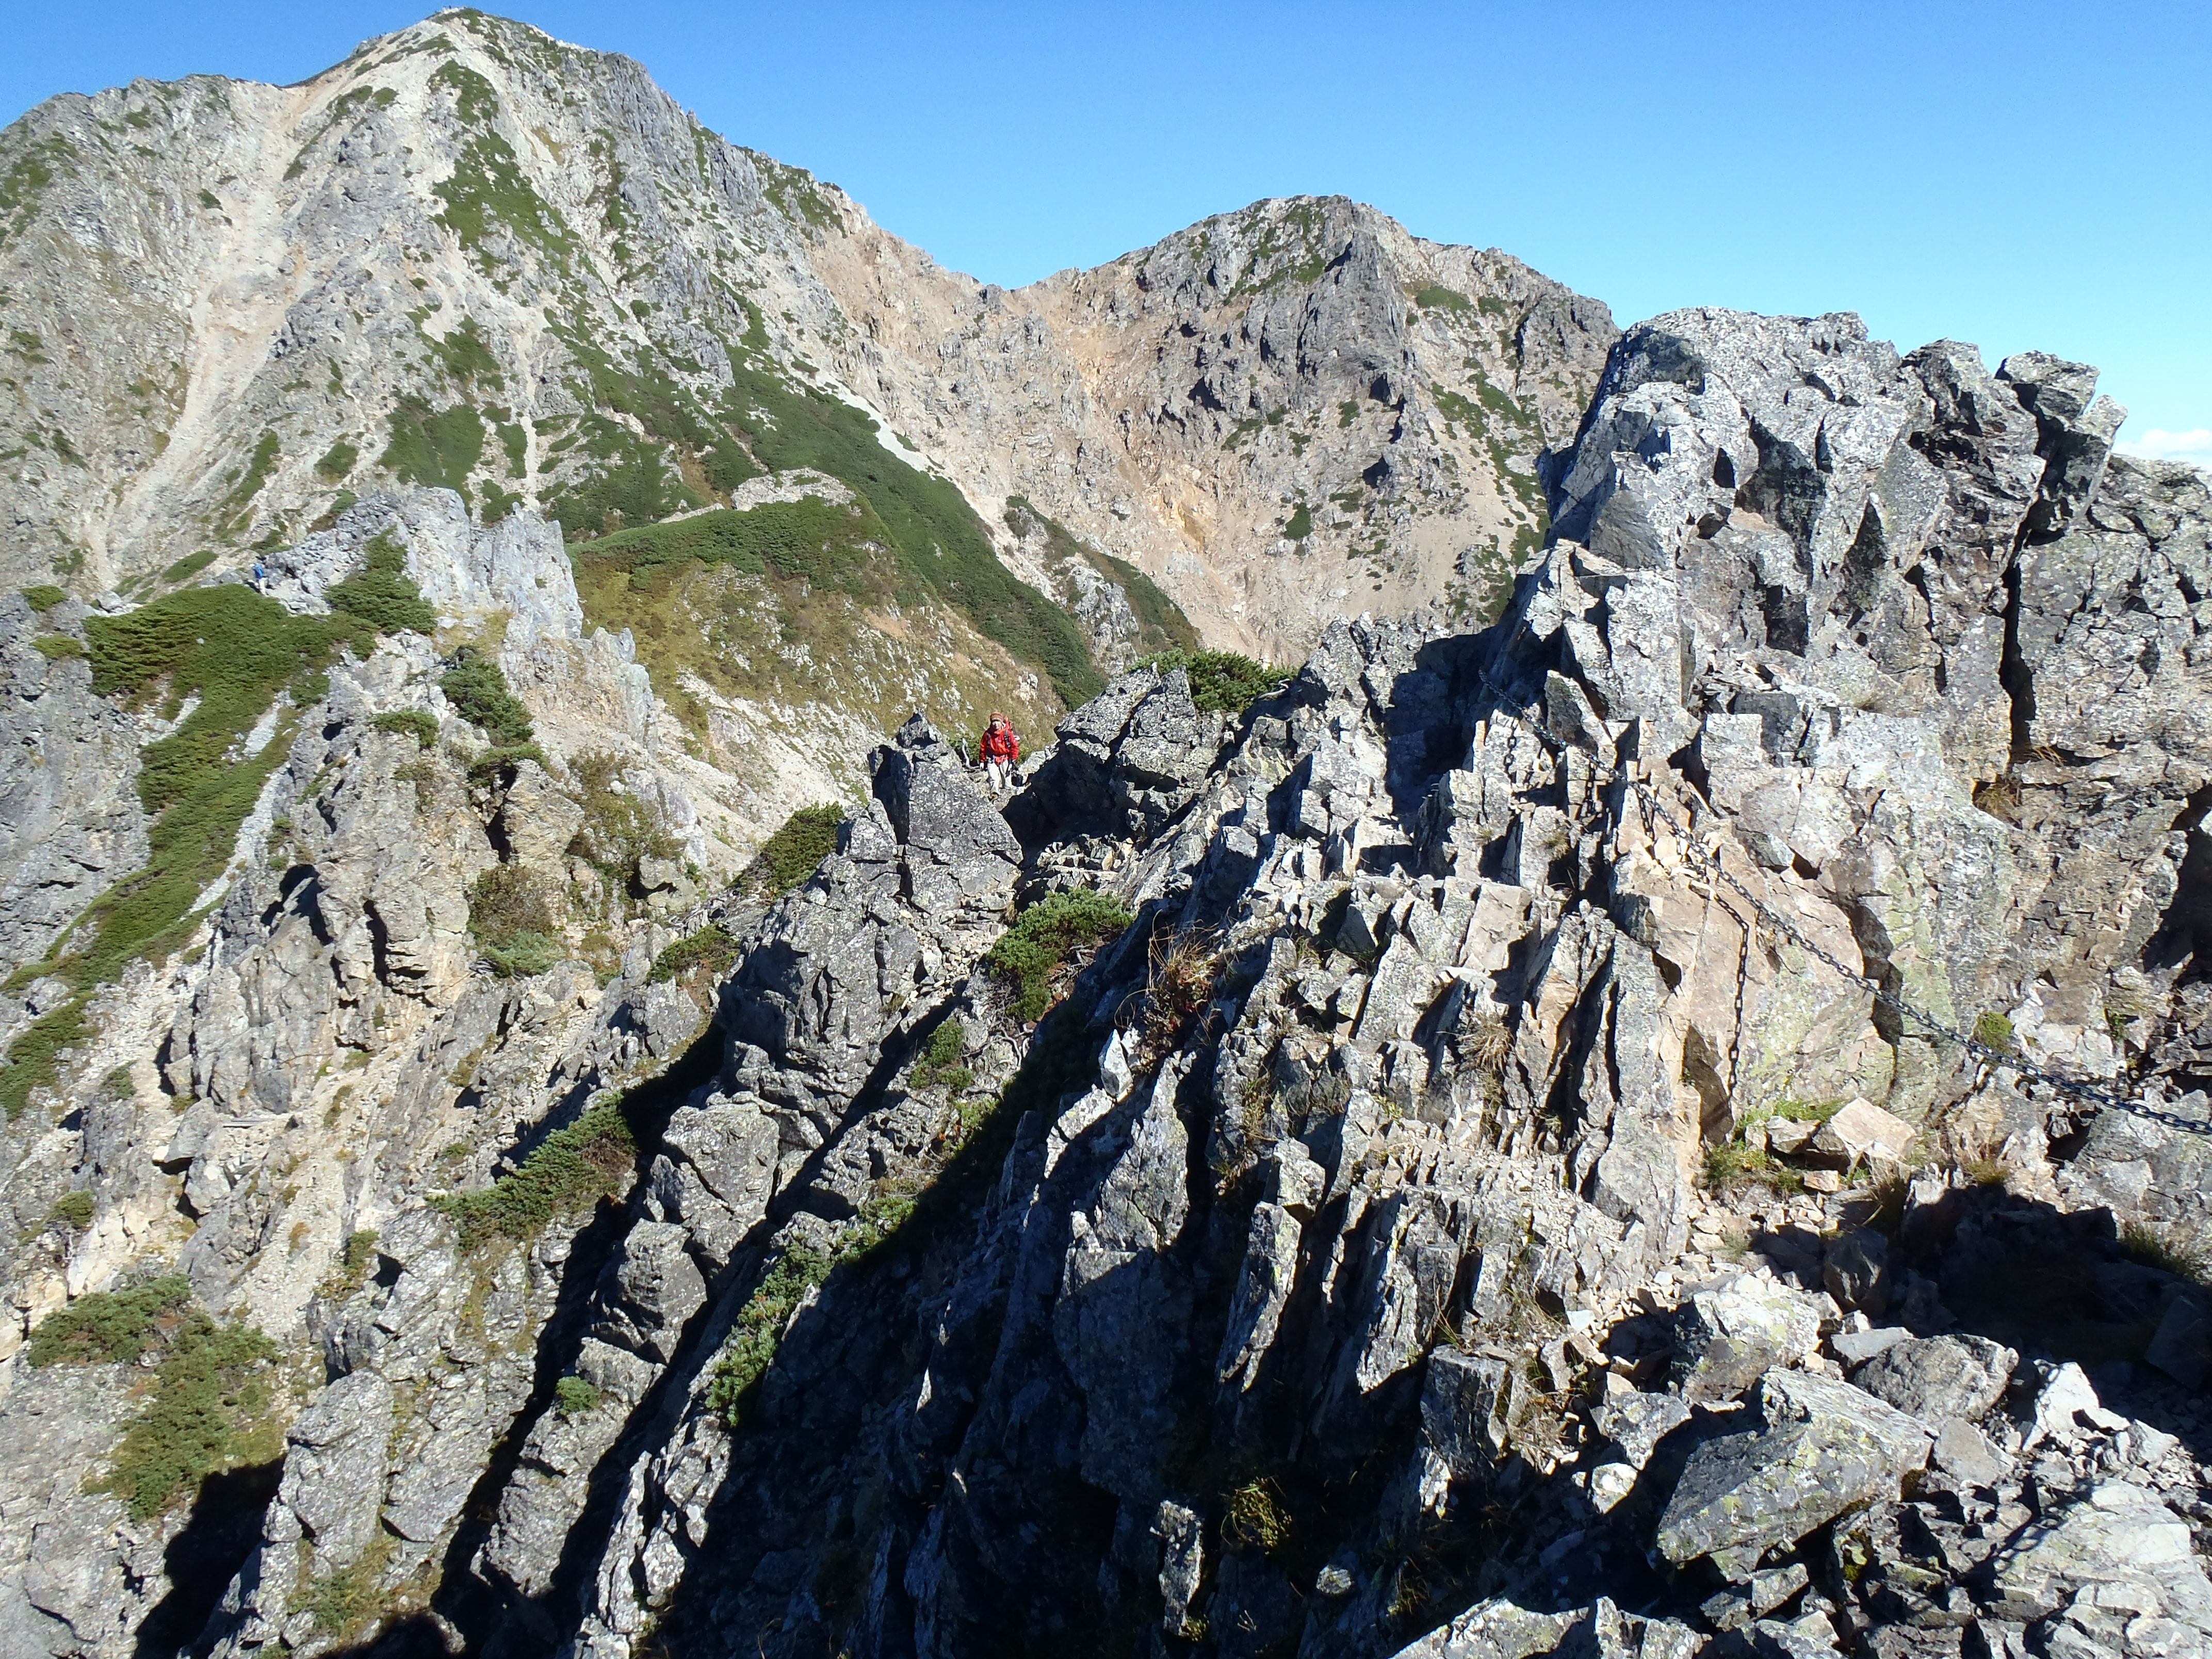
{"points": [[714, 948], [571, 1169], [1221, 681], [112, 1327], [758, 1328], [43, 597], [512, 927], [382, 595], [208, 1408], [1033, 951], [479, 691], [796, 850], [235, 652], [574, 1397], [72, 1210], [413, 722], [941, 1061]]}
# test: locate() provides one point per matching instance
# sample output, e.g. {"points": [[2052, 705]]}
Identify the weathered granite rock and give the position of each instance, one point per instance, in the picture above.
{"points": [[1937, 1378], [2122, 1536], [1727, 1337], [1824, 1447]]}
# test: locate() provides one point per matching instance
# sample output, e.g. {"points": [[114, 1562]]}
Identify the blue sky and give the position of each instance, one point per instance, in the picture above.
{"points": [[2017, 174]]}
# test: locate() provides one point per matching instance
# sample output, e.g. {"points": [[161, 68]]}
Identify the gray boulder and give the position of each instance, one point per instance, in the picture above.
{"points": [[1463, 1407], [1824, 1447], [2122, 1536], [1501, 1629], [1935, 1377], [1856, 1272], [1637, 1423], [1726, 1338]]}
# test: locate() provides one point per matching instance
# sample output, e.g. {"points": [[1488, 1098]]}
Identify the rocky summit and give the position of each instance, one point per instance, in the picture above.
{"points": [[1649, 1098]]}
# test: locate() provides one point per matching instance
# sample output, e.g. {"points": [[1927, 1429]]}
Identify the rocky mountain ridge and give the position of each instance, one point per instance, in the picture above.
{"points": [[1453, 1151], [1440, 1212], [476, 258]]}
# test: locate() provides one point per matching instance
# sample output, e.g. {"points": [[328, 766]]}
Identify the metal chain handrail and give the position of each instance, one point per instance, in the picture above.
{"points": [[1983, 1052]]}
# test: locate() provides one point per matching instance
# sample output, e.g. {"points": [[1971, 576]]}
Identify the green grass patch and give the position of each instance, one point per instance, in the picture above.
{"points": [[437, 448], [337, 462], [945, 547], [1223, 681], [2172, 1250], [381, 593], [573, 1397], [1732, 1165], [1033, 952], [189, 567], [571, 1169], [1255, 1517], [712, 948], [212, 1387], [1300, 524], [57, 648], [480, 694], [43, 597], [414, 722], [845, 549], [1994, 1030], [796, 850], [1436, 296]]}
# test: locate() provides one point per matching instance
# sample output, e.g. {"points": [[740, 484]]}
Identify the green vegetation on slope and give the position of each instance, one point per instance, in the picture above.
{"points": [[635, 483], [212, 1390], [843, 548], [236, 652], [939, 538], [479, 693], [570, 1169], [795, 852], [1165, 627], [236, 510], [439, 449], [712, 948], [1033, 951], [513, 924], [382, 595], [1223, 681]]}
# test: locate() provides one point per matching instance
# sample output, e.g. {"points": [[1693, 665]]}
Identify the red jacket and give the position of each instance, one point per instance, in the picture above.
{"points": [[999, 743]]}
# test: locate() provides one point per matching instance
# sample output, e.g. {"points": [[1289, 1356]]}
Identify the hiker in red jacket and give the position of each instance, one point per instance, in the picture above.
{"points": [[1001, 748]]}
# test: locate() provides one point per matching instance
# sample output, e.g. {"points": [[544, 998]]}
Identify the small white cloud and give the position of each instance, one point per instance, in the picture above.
{"points": [[2159, 444]]}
